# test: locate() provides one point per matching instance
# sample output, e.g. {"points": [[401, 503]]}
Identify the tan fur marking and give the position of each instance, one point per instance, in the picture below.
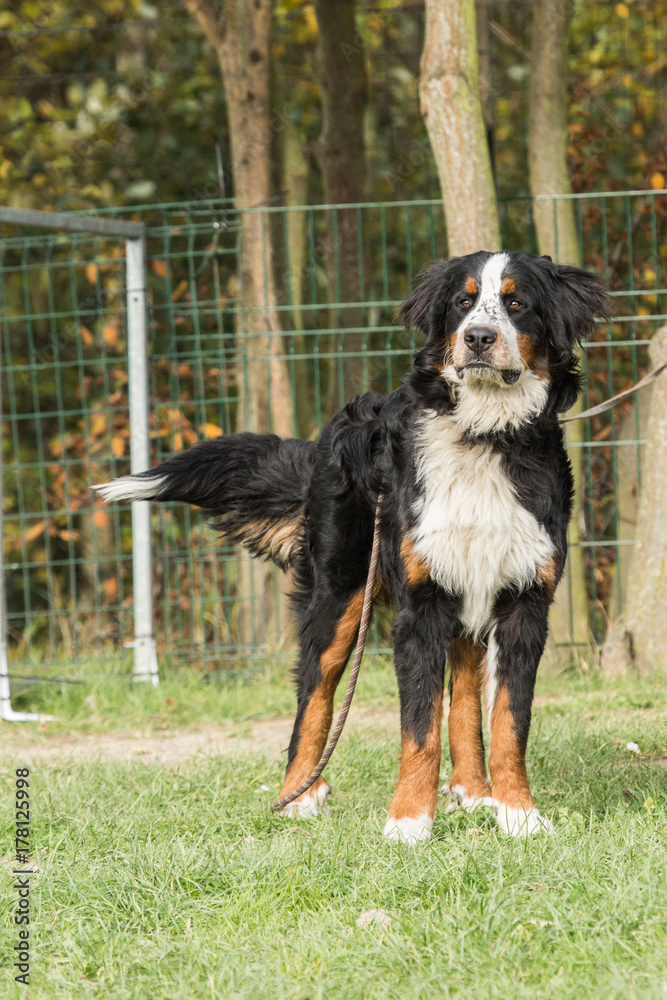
{"points": [[466, 747], [417, 789], [507, 762], [416, 569], [508, 286], [546, 575], [534, 359], [313, 732], [335, 656], [295, 778], [471, 286], [316, 720], [271, 539]]}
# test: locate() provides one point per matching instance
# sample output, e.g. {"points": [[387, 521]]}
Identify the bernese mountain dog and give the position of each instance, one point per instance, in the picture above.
{"points": [[477, 491]]}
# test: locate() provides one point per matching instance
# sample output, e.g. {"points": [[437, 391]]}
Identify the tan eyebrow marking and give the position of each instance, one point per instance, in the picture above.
{"points": [[471, 286], [508, 286]]}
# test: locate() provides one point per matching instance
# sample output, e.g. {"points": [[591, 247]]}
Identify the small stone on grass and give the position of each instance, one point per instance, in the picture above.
{"points": [[370, 917]]}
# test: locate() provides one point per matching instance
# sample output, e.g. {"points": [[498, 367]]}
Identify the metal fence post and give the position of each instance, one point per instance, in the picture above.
{"points": [[145, 656], [134, 233]]}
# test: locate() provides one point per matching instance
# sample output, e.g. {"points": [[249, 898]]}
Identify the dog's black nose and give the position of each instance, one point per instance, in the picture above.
{"points": [[479, 339]]}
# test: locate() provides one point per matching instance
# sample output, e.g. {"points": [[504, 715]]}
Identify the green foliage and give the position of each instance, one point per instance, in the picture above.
{"points": [[122, 103], [618, 104], [118, 103]]}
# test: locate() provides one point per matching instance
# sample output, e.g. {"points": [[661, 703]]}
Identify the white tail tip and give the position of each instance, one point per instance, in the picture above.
{"points": [[129, 488]]}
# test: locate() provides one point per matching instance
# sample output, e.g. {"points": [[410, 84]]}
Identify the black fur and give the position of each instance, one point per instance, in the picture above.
{"points": [[246, 480], [322, 496]]}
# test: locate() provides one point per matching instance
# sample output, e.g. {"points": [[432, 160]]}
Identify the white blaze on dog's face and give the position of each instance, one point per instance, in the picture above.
{"points": [[495, 334], [501, 336], [496, 354]]}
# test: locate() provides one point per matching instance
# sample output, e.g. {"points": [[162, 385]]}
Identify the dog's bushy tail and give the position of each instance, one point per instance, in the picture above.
{"points": [[255, 483]]}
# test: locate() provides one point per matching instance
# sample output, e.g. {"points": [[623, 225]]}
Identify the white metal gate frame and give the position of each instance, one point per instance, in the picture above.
{"points": [[134, 234]]}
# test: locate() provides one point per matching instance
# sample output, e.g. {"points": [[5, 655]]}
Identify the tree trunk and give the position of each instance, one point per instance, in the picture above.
{"points": [[485, 82], [628, 477], [450, 103], [557, 237], [343, 90], [636, 642], [240, 33], [548, 132], [295, 173]]}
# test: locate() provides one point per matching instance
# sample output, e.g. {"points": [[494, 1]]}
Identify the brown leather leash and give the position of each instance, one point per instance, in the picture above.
{"points": [[354, 673], [615, 400], [368, 601]]}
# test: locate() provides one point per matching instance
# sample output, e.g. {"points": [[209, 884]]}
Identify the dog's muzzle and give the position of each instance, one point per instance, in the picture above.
{"points": [[509, 375]]}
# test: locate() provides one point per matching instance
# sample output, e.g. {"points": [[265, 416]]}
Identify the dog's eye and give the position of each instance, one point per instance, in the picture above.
{"points": [[515, 304], [464, 303]]}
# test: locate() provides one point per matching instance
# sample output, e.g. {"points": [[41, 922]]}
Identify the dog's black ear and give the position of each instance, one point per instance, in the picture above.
{"points": [[426, 306], [580, 297], [574, 300]]}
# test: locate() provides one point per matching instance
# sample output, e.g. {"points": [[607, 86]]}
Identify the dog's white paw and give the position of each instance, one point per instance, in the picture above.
{"points": [[408, 830], [519, 822], [459, 799], [310, 805]]}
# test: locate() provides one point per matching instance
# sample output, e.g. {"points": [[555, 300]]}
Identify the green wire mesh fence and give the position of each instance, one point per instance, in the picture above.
{"points": [[340, 274]]}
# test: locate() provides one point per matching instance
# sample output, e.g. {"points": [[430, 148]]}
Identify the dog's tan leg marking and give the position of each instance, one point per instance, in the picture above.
{"points": [[507, 759], [516, 812], [316, 719], [468, 785], [412, 809]]}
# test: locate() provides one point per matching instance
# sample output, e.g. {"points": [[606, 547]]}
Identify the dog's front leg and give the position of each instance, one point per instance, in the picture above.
{"points": [[422, 633], [514, 649], [468, 785]]}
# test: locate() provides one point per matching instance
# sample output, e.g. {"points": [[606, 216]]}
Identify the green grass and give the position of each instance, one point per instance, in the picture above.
{"points": [[157, 883], [261, 691]]}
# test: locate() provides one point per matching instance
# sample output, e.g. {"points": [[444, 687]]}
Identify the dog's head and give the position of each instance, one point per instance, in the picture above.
{"points": [[501, 335]]}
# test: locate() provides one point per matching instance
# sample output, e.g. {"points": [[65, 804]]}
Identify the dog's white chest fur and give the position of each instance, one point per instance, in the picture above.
{"points": [[472, 532]]}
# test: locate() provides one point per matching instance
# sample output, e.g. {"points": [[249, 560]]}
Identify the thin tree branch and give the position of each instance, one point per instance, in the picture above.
{"points": [[211, 18]]}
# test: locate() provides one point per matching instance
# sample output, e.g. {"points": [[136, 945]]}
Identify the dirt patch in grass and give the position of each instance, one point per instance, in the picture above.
{"points": [[169, 748], [161, 742]]}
